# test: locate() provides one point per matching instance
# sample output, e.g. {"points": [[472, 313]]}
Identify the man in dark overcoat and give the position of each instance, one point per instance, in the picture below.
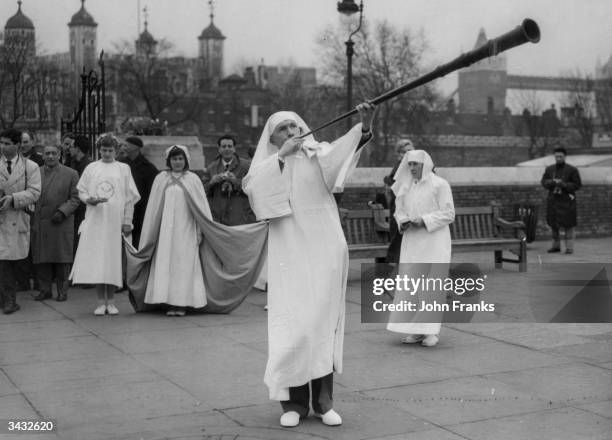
{"points": [[144, 173], [562, 181], [53, 225]]}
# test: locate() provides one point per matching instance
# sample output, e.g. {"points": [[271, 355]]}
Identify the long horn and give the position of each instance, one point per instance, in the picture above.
{"points": [[528, 31]]}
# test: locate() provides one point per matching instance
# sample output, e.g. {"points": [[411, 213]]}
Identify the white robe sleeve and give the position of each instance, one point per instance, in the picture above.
{"points": [[338, 159], [84, 182], [445, 215], [401, 214], [268, 189]]}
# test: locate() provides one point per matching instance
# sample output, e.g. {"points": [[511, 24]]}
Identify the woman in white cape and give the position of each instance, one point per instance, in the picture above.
{"points": [[175, 277], [424, 210]]}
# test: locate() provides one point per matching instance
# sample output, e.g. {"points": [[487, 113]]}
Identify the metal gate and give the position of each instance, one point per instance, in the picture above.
{"points": [[89, 119]]}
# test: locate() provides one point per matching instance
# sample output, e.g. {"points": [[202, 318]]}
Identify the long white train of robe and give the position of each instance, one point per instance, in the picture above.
{"points": [[175, 276], [98, 256], [431, 198], [307, 261]]}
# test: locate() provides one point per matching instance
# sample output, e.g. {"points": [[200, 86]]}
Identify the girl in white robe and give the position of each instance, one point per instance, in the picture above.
{"points": [[175, 277], [424, 209], [109, 192]]}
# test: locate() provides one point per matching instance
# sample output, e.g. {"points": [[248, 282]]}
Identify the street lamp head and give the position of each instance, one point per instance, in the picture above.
{"points": [[347, 7]]}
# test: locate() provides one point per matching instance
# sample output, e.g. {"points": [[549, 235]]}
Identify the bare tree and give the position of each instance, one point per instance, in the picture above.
{"points": [[385, 58], [581, 98], [29, 86], [155, 83], [15, 58], [542, 125]]}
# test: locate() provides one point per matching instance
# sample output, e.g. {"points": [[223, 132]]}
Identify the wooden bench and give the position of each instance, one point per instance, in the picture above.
{"points": [[478, 228]]}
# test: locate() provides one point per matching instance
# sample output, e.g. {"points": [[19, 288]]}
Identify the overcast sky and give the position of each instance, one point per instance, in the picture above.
{"points": [[574, 32]]}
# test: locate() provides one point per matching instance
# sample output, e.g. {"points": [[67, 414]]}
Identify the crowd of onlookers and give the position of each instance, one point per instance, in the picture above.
{"points": [[42, 210]]}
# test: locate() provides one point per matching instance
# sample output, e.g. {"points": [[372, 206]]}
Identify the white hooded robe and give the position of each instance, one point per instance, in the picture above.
{"points": [[307, 254]]}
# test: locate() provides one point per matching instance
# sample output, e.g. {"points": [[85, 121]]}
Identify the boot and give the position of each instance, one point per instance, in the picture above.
{"points": [[62, 291], [10, 303], [43, 295]]}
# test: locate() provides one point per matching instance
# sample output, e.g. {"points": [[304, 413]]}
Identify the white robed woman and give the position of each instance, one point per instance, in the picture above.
{"points": [[109, 193], [424, 210], [290, 183], [175, 277]]}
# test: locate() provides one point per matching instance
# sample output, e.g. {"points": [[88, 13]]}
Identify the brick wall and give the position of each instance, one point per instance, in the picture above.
{"points": [[468, 156]]}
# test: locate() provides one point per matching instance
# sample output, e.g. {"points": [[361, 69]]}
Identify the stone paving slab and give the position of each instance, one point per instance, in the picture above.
{"points": [[76, 374], [218, 374], [558, 424], [429, 434], [119, 403], [573, 383], [40, 331], [460, 400], [180, 426], [598, 351], [486, 358], [73, 348], [6, 386]]}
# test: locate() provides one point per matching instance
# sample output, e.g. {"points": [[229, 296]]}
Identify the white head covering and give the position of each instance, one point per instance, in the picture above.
{"points": [[403, 177], [181, 147], [265, 148]]}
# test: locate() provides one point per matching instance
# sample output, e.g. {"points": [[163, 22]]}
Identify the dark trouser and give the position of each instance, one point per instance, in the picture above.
{"points": [[322, 400], [8, 284], [45, 272], [569, 238], [24, 272]]}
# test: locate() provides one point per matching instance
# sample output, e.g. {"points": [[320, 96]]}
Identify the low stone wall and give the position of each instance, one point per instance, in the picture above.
{"points": [[507, 186]]}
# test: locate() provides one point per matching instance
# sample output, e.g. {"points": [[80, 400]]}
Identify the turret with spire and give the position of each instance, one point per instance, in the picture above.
{"points": [[482, 86], [83, 40], [146, 45], [19, 31], [211, 52]]}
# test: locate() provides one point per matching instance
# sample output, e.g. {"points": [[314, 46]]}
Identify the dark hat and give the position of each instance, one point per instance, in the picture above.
{"points": [[82, 143], [135, 140]]}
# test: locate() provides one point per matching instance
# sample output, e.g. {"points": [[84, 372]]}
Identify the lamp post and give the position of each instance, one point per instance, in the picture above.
{"points": [[348, 7]]}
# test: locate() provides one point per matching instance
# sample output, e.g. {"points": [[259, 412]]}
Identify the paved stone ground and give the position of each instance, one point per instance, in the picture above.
{"points": [[200, 377]]}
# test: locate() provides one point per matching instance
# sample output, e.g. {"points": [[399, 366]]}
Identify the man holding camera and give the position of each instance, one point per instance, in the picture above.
{"points": [[562, 181], [223, 184]]}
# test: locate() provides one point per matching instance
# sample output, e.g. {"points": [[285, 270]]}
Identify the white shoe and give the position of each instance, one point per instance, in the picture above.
{"points": [[412, 339], [100, 310], [171, 312], [179, 312], [290, 419], [430, 340], [112, 310], [330, 418]]}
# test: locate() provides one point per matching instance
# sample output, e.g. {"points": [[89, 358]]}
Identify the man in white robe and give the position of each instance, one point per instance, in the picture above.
{"points": [[423, 210], [290, 183]]}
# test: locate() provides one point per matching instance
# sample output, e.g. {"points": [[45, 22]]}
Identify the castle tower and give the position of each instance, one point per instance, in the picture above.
{"points": [[211, 53], [482, 86], [83, 41], [19, 33], [146, 45]]}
